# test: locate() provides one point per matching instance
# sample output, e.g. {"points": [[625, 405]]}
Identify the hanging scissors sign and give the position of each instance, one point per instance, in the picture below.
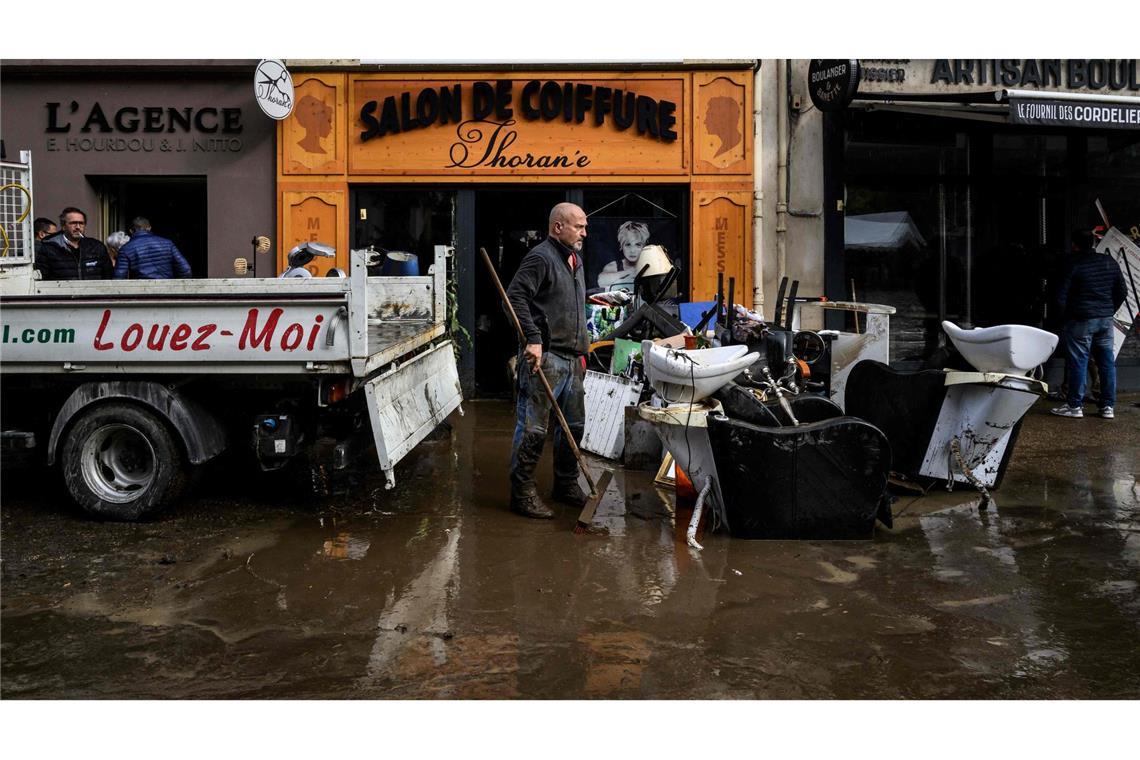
{"points": [[273, 88]]}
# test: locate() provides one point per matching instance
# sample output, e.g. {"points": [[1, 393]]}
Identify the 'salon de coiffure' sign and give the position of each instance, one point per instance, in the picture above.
{"points": [[570, 102]]}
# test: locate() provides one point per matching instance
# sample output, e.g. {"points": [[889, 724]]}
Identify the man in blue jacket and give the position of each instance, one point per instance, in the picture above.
{"points": [[548, 294], [149, 257], [1091, 291]]}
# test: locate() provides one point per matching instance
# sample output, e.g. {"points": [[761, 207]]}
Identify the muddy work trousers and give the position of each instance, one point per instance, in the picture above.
{"points": [[535, 417]]}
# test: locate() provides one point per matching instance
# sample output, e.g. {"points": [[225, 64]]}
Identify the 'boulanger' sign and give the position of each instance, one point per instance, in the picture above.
{"points": [[1068, 113], [832, 83]]}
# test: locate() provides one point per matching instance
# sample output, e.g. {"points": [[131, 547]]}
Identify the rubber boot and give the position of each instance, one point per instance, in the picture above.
{"points": [[569, 492], [529, 505]]}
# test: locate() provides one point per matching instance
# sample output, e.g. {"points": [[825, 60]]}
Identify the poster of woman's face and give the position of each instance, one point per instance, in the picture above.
{"points": [[632, 237], [614, 244]]}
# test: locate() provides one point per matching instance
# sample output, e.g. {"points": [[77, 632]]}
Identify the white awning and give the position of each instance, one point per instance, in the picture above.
{"points": [[1091, 97], [1058, 109]]}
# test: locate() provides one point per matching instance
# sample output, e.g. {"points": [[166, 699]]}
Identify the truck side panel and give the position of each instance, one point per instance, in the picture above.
{"points": [[406, 403]]}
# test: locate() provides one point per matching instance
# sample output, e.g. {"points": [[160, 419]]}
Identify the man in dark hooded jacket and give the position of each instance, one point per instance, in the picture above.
{"points": [[1090, 292], [70, 255]]}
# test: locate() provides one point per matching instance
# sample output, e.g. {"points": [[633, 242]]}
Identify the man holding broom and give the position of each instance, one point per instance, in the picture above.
{"points": [[548, 294]]}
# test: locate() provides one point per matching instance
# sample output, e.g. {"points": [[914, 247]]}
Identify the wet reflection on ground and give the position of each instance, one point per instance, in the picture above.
{"points": [[434, 590]]}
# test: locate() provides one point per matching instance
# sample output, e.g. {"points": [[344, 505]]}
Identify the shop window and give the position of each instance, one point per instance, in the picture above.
{"points": [[404, 219], [976, 231], [1029, 155], [891, 256], [1115, 156], [908, 227], [899, 144]]}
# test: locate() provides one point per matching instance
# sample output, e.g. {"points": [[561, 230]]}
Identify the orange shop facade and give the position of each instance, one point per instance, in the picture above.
{"points": [[406, 160]]}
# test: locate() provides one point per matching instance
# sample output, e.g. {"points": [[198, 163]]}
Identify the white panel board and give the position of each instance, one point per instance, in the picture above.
{"points": [[606, 399], [1126, 254]]}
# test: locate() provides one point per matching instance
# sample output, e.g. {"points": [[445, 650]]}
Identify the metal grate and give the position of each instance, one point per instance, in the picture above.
{"points": [[16, 210]]}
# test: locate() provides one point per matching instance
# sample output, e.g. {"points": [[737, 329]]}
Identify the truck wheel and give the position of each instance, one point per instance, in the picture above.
{"points": [[121, 463]]}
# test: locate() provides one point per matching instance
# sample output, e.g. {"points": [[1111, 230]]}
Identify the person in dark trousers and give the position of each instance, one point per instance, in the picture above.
{"points": [[548, 294], [149, 257], [69, 254], [1090, 292]]}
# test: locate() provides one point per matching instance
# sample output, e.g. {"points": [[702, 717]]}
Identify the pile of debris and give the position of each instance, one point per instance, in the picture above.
{"points": [[786, 433]]}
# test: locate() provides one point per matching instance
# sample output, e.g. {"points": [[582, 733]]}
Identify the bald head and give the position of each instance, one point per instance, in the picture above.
{"points": [[568, 225], [563, 211]]}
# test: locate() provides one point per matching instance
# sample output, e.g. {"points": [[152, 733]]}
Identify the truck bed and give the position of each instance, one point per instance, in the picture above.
{"points": [[355, 325]]}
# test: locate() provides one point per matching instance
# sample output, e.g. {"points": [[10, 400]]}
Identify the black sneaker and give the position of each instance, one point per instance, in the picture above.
{"points": [[570, 493], [530, 506]]}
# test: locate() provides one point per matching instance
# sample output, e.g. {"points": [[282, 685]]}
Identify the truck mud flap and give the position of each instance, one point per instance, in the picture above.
{"points": [[406, 403]]}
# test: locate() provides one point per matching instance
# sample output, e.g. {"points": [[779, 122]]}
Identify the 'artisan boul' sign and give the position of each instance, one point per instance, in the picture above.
{"points": [[953, 75]]}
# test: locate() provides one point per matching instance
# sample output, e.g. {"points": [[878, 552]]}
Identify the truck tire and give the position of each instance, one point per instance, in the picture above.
{"points": [[120, 462]]}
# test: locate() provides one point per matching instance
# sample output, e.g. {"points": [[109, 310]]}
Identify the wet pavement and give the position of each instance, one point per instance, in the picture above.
{"points": [[434, 590]]}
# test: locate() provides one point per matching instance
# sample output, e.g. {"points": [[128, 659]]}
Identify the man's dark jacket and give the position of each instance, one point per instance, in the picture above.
{"points": [[1092, 287], [56, 260], [549, 299]]}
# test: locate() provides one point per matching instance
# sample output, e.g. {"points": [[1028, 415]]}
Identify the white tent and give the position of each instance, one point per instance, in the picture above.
{"points": [[887, 231]]}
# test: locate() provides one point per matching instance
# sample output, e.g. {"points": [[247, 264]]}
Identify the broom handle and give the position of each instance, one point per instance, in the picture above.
{"points": [[545, 383]]}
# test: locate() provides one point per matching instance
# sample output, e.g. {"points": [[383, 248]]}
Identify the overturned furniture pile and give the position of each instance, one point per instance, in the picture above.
{"points": [[734, 402]]}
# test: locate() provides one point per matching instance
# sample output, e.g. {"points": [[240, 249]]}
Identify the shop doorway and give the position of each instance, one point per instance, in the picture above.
{"points": [[175, 206], [508, 223]]}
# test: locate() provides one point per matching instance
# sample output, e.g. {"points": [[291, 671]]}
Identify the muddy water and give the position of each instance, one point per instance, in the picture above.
{"points": [[250, 590]]}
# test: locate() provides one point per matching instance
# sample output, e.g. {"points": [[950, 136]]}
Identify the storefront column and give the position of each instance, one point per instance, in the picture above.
{"points": [[833, 214], [465, 263]]}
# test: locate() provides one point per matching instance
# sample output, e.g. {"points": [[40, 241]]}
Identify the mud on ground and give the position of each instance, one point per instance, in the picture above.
{"points": [[251, 590]]}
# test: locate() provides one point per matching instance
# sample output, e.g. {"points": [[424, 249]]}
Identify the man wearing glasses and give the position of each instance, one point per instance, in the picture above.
{"points": [[70, 255]]}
